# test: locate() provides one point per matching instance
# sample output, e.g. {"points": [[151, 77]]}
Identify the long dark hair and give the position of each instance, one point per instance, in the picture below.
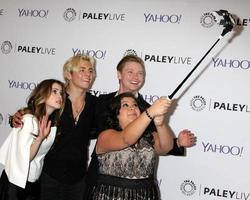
{"points": [[36, 101]]}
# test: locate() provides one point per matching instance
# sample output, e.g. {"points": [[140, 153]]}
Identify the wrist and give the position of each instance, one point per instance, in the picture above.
{"points": [[10, 121], [178, 143], [39, 139], [148, 115]]}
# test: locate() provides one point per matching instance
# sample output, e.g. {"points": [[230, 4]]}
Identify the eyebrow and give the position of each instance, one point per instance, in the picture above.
{"points": [[54, 88]]}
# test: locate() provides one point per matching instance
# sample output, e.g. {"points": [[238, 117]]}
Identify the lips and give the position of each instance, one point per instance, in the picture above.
{"points": [[59, 102], [132, 115], [134, 82], [87, 81]]}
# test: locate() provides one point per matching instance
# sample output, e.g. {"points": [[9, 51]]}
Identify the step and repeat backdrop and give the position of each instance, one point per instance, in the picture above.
{"points": [[37, 37]]}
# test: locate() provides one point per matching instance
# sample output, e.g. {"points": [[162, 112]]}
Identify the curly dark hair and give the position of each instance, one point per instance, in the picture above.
{"points": [[112, 111]]}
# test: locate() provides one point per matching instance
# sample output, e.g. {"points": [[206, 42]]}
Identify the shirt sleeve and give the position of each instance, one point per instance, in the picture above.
{"points": [[18, 153]]}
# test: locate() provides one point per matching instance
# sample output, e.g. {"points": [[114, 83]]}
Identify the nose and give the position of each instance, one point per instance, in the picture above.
{"points": [[59, 95], [135, 76], [87, 73], [132, 107]]}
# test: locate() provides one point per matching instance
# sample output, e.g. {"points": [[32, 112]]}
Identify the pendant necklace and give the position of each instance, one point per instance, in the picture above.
{"points": [[76, 113]]}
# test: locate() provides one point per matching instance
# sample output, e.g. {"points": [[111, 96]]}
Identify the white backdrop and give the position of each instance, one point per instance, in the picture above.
{"points": [[171, 37]]}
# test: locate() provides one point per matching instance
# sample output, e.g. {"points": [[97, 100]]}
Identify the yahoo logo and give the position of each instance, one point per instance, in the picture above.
{"points": [[33, 13], [222, 149], [98, 54], [174, 18], [231, 63], [150, 98], [21, 85]]}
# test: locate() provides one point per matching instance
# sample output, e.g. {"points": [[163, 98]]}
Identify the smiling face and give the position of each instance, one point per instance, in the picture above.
{"points": [[131, 77], [55, 99], [79, 72], [128, 112], [82, 75]]}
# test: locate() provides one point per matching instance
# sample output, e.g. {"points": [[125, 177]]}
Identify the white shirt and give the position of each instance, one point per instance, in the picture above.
{"points": [[15, 152]]}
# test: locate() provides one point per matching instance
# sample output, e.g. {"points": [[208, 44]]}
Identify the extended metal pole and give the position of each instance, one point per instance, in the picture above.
{"points": [[190, 73]]}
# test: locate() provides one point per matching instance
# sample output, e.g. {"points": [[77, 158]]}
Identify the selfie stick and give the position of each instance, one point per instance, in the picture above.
{"points": [[222, 17]]}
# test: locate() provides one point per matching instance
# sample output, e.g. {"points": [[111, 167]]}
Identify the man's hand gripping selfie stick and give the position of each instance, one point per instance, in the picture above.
{"points": [[222, 17]]}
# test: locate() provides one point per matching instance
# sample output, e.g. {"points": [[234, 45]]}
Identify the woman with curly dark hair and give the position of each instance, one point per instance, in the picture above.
{"points": [[127, 151]]}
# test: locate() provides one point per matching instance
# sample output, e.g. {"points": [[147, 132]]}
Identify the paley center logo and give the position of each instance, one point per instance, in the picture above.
{"points": [[7, 46], [171, 59], [188, 188], [130, 52], [70, 14], [207, 20], [242, 22], [199, 103]]}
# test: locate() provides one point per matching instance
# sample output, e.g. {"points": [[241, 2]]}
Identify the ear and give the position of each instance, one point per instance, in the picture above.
{"points": [[68, 76], [119, 75]]}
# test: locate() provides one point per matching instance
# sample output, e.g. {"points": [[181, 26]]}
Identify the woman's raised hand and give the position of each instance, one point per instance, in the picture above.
{"points": [[44, 127]]}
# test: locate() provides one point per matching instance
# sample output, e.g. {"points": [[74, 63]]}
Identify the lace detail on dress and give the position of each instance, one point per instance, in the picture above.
{"points": [[134, 162]]}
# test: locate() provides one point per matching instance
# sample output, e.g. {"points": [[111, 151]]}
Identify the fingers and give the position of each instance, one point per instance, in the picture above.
{"points": [[166, 103], [17, 120], [44, 126], [48, 125], [160, 106], [44, 123], [187, 138], [191, 140]]}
